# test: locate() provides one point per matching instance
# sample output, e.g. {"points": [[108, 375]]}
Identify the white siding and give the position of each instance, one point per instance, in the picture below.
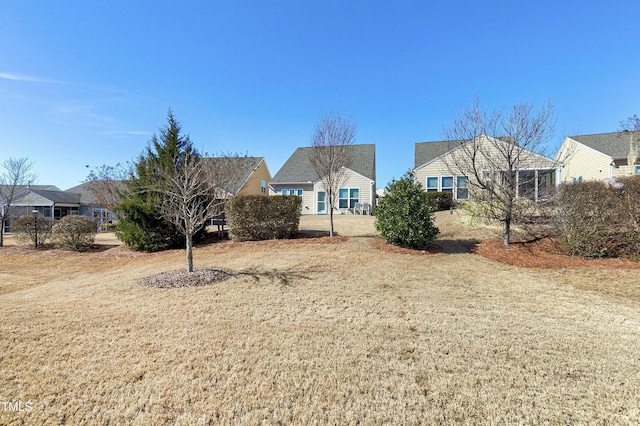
{"points": [[581, 161], [366, 187]]}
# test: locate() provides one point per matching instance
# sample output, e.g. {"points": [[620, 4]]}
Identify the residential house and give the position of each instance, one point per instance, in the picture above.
{"points": [[599, 156], [248, 175], [357, 192], [433, 168]]}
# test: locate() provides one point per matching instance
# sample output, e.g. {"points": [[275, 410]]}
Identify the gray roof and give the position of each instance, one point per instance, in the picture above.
{"points": [[427, 151], [5, 188], [58, 196], [615, 145], [86, 194], [244, 166], [298, 168]]}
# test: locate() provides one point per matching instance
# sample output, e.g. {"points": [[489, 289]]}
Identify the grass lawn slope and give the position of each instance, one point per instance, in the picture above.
{"points": [[317, 331]]}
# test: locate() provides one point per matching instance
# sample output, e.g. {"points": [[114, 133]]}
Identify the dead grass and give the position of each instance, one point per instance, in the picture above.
{"points": [[310, 333]]}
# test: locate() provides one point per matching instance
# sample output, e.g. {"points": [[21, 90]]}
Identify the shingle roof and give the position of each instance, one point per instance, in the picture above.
{"points": [[58, 196], [615, 145], [86, 194], [427, 151], [298, 168], [243, 165]]}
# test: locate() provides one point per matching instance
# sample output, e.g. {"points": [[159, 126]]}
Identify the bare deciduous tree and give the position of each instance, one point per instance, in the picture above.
{"points": [[631, 124], [15, 173], [332, 154], [503, 157], [106, 184], [194, 190]]}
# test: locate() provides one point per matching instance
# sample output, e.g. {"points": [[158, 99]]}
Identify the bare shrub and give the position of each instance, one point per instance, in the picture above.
{"points": [[30, 230], [74, 232], [600, 219]]}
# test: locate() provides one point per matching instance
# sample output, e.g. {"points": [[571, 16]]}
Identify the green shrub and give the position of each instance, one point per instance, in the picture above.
{"points": [[404, 216], [441, 200], [27, 232], [256, 217], [142, 228], [74, 232]]}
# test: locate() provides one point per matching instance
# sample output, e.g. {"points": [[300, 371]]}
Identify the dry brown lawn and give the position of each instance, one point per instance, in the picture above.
{"points": [[317, 331]]}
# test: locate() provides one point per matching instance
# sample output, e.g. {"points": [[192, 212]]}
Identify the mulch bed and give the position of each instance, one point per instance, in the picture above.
{"points": [[181, 278], [543, 253]]}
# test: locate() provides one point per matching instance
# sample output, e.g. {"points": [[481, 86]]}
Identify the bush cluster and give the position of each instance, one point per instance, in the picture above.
{"points": [[441, 200], [404, 216], [74, 232], [256, 217], [597, 219]]}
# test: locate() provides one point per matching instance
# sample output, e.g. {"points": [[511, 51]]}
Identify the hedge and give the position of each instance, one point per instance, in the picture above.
{"points": [[257, 217], [441, 200]]}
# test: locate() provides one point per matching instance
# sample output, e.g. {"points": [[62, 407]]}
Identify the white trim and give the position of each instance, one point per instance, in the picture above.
{"points": [[426, 184]]}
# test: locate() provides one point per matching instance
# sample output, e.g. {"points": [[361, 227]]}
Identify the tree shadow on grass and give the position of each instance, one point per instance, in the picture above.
{"points": [[284, 277], [457, 246]]}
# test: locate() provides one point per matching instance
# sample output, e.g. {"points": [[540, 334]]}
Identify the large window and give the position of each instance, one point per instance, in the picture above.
{"points": [[447, 184], [432, 184], [462, 188], [637, 170], [348, 197]]}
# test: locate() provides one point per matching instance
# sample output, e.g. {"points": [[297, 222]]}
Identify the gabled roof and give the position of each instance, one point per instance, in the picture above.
{"points": [[53, 197], [426, 152], [615, 145], [243, 166], [58, 196], [86, 194], [298, 168], [5, 188]]}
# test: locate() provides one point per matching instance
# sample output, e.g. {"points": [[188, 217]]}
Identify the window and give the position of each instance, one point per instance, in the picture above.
{"points": [[432, 184], [348, 197], [546, 181], [447, 184], [297, 192], [527, 184], [462, 188], [637, 170], [263, 186]]}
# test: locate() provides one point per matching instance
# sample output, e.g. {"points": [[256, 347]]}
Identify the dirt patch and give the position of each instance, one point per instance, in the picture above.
{"points": [[543, 253], [182, 278]]}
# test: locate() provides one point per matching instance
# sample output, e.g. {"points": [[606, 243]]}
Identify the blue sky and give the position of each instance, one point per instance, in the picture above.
{"points": [[88, 83]]}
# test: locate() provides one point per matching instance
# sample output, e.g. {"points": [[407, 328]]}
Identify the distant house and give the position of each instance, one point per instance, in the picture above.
{"points": [[298, 177], [599, 156], [536, 175], [248, 175]]}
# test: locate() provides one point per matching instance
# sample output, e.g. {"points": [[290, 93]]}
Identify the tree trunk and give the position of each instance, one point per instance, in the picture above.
{"points": [[189, 252], [506, 232], [331, 221], [2, 232]]}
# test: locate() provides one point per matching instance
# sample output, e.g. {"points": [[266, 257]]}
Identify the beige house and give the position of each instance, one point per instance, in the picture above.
{"points": [[357, 193], [600, 156], [250, 175], [434, 168]]}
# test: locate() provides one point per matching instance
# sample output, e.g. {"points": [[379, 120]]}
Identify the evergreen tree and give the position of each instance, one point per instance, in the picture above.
{"points": [[143, 227]]}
